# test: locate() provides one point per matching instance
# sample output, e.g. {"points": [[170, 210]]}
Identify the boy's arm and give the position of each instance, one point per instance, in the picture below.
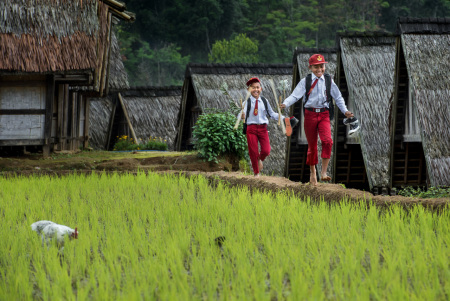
{"points": [[298, 93], [336, 94], [272, 113]]}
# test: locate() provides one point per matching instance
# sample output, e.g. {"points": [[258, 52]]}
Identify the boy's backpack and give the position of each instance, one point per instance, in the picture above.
{"points": [[249, 104], [308, 82]]}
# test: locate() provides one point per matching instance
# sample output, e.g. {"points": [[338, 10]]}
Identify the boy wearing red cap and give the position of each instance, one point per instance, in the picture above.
{"points": [[317, 117], [257, 122]]}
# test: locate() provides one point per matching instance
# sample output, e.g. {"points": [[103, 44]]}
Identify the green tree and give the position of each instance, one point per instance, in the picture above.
{"points": [[241, 49]]}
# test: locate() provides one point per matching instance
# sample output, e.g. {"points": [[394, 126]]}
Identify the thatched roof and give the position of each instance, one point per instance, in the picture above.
{"points": [[369, 66], [154, 111], [99, 121], [206, 80], [49, 36], [423, 26], [427, 58], [118, 76]]}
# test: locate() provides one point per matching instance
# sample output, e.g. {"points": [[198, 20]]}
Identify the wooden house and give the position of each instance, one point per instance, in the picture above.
{"points": [[366, 66], [201, 90], [46, 49], [420, 135], [297, 146]]}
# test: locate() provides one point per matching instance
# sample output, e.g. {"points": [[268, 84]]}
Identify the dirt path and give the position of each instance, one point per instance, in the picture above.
{"points": [[190, 165]]}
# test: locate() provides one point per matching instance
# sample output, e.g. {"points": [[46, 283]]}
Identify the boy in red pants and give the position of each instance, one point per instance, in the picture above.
{"points": [[257, 121], [317, 117]]}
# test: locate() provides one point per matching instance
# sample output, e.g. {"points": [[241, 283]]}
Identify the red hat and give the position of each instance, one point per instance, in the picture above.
{"points": [[317, 59], [253, 80]]}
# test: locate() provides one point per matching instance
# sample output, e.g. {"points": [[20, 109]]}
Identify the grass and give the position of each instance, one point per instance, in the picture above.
{"points": [[152, 237]]}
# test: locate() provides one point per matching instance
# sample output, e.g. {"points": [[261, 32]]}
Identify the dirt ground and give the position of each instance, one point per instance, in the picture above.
{"points": [[188, 164]]}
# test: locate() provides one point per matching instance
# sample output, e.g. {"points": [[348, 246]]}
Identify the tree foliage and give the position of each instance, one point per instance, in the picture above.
{"points": [[241, 49], [200, 30]]}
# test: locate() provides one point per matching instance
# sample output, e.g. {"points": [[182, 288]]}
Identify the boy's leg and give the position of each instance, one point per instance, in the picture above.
{"points": [[252, 143], [264, 142], [324, 129], [310, 125]]}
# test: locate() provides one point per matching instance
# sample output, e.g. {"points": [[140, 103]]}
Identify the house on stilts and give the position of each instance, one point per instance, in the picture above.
{"points": [[202, 90], [297, 145], [420, 135], [48, 48], [366, 67]]}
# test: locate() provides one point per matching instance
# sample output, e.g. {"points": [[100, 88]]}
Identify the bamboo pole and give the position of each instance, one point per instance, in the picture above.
{"points": [[283, 127], [128, 119], [239, 117]]}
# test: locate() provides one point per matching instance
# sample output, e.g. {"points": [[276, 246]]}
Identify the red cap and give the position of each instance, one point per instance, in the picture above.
{"points": [[253, 80], [317, 59]]}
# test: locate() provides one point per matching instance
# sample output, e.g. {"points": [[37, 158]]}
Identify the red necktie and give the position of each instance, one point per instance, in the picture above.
{"points": [[255, 112]]}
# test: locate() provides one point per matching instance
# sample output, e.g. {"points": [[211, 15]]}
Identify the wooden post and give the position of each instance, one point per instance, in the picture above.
{"points": [[49, 96], [86, 123], [133, 134], [65, 117]]}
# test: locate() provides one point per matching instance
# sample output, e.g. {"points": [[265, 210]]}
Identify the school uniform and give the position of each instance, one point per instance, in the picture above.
{"points": [[257, 131], [317, 117]]}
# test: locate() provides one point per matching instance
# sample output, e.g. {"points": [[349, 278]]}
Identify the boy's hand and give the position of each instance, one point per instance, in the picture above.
{"points": [[282, 106], [349, 114], [242, 116]]}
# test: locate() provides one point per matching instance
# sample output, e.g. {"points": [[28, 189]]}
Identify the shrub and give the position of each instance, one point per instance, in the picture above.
{"points": [[214, 136], [432, 192]]}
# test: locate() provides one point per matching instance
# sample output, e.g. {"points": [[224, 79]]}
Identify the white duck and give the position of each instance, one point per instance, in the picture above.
{"points": [[48, 230]]}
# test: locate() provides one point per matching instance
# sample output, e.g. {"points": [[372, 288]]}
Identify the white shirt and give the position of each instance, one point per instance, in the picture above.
{"points": [[318, 97], [261, 117]]}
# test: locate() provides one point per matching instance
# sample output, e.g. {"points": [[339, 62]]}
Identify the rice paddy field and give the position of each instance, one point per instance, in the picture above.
{"points": [[152, 237]]}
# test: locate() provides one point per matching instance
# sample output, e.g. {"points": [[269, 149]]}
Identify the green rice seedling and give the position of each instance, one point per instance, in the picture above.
{"points": [[153, 237]]}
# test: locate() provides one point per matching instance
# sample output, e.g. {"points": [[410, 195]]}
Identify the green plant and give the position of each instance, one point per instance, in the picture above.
{"points": [[125, 143], [214, 136], [422, 192]]}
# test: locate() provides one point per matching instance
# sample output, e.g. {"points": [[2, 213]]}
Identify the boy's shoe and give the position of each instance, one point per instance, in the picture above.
{"points": [[354, 125], [288, 126]]}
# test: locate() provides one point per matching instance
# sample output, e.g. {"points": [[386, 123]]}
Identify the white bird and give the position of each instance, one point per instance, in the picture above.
{"points": [[49, 230]]}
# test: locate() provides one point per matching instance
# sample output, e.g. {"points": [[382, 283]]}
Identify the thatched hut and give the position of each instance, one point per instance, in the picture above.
{"points": [[368, 65], [201, 90], [420, 136], [103, 109], [149, 112], [46, 48], [296, 168]]}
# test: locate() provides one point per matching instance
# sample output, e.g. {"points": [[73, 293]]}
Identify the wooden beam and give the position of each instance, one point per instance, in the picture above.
{"points": [[65, 117], [105, 57], [20, 142], [133, 134], [121, 15], [23, 112]]}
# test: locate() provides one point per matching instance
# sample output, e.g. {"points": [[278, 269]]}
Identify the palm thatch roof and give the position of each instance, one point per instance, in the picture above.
{"points": [[153, 112], [369, 64], [100, 113], [118, 76], [298, 144], [66, 36], [425, 45], [201, 90]]}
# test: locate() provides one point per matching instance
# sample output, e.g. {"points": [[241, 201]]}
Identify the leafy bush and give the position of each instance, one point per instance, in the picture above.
{"points": [[214, 136], [432, 192], [125, 143]]}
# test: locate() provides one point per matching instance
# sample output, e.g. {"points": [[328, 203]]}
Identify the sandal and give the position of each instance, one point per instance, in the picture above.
{"points": [[287, 121]]}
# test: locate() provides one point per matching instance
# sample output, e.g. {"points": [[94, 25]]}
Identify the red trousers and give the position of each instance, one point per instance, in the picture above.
{"points": [[257, 133], [317, 124]]}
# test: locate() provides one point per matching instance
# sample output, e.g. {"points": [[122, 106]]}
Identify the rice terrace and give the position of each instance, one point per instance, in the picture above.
{"points": [[150, 234]]}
